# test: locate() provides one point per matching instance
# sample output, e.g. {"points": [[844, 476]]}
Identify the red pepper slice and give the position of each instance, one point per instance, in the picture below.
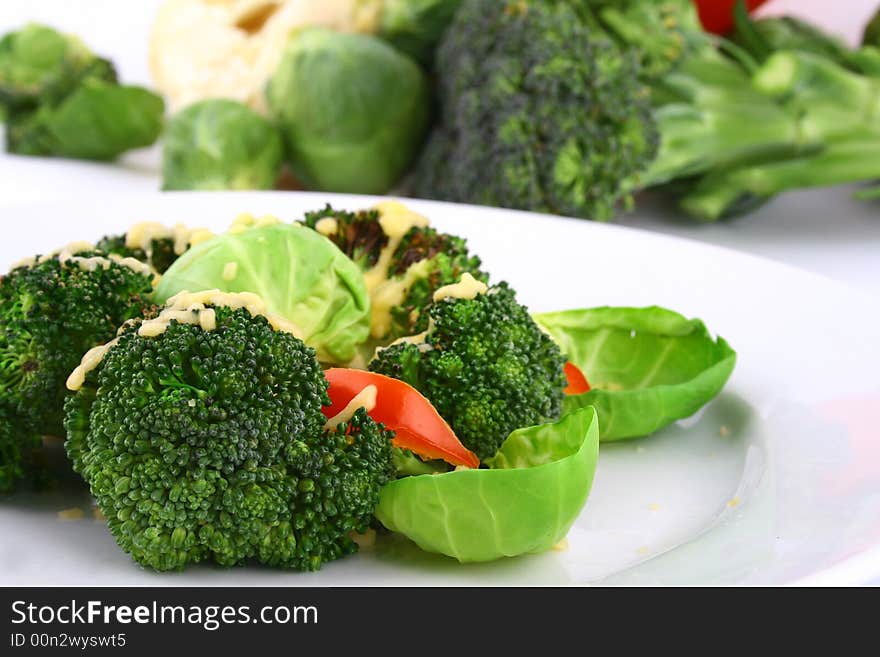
{"points": [[416, 423], [717, 15], [577, 382]]}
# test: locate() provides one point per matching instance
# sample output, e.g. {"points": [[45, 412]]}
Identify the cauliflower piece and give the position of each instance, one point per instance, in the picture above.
{"points": [[203, 49]]}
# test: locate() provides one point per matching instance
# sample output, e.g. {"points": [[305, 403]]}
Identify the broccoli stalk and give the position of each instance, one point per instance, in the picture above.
{"points": [[728, 193], [868, 194], [837, 112], [744, 131]]}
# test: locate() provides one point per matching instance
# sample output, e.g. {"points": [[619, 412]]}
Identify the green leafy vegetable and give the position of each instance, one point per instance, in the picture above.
{"points": [[300, 274], [836, 110], [526, 502], [352, 109], [871, 36], [58, 98], [98, 121], [415, 26], [220, 144], [647, 366], [39, 65], [762, 37]]}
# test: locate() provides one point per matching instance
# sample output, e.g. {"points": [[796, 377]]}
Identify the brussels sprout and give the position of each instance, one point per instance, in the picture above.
{"points": [[648, 367], [416, 26], [525, 502], [220, 144], [300, 274], [353, 110]]}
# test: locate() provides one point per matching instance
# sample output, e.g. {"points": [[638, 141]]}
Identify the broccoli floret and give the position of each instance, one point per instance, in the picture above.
{"points": [[209, 445], [160, 257], [440, 259], [539, 112], [18, 439], [422, 262], [51, 312], [485, 365], [357, 234]]}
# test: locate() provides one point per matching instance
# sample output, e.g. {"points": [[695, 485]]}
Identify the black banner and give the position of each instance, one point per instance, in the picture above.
{"points": [[134, 619], [240, 621]]}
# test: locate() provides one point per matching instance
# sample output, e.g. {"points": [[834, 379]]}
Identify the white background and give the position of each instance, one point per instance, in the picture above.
{"points": [[822, 231]]}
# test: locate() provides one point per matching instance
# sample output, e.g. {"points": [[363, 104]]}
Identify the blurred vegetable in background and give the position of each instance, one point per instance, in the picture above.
{"points": [[353, 111], [871, 36], [717, 15], [220, 144], [833, 97], [764, 36], [41, 66], [736, 125], [539, 112], [761, 38], [415, 27], [58, 98], [98, 121], [230, 48], [562, 106]]}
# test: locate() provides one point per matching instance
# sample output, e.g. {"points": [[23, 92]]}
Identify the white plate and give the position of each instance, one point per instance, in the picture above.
{"points": [[776, 481]]}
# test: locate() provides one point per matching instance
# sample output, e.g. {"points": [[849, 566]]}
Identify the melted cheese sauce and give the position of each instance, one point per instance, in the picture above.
{"points": [[68, 254], [141, 236], [365, 399], [90, 361], [186, 308], [230, 271], [246, 221], [467, 288], [327, 226], [396, 221]]}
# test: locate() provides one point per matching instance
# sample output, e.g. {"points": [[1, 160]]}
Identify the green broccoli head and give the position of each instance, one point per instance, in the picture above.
{"points": [[422, 261], [432, 259], [153, 243], [18, 439], [208, 444], [51, 312], [485, 365], [662, 34], [540, 111], [160, 255], [357, 234]]}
